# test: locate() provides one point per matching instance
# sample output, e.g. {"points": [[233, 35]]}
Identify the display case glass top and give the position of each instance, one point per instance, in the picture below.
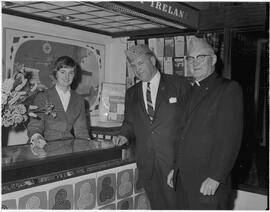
{"points": [[23, 155]]}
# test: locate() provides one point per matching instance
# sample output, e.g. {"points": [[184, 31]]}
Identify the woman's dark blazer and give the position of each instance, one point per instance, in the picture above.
{"points": [[69, 124]]}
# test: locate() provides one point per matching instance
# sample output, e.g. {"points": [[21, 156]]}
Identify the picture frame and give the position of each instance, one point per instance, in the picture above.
{"points": [[112, 102]]}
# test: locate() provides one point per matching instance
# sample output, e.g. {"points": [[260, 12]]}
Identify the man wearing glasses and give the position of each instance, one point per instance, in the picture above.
{"points": [[210, 135]]}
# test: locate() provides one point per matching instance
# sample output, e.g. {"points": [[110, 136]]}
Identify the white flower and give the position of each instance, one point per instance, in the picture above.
{"points": [[7, 85], [18, 118], [32, 114], [16, 96], [4, 98], [5, 122], [8, 121], [21, 109], [19, 87], [34, 87], [32, 107], [25, 117]]}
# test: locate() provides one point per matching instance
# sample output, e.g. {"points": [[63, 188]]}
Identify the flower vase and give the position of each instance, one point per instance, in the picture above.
{"points": [[14, 135], [5, 132]]}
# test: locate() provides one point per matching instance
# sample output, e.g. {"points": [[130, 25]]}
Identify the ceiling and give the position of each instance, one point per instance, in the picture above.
{"points": [[117, 19], [83, 15]]}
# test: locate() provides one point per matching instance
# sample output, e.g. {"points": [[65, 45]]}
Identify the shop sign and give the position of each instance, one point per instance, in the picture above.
{"points": [[174, 11]]}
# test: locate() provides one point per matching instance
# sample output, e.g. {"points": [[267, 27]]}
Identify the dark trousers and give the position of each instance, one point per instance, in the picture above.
{"points": [[189, 199], [160, 195]]}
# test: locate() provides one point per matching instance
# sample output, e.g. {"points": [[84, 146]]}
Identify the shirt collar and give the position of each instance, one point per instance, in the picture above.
{"points": [[59, 90], [207, 81], [195, 82], [155, 80]]}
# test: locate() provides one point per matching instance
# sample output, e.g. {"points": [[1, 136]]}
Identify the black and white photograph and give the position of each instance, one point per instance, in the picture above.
{"points": [[135, 105]]}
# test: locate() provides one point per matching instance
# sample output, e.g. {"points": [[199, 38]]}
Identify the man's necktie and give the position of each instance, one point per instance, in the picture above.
{"points": [[150, 107]]}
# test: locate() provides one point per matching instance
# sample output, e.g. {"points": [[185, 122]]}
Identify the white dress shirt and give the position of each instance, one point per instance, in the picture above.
{"points": [[154, 83], [64, 96]]}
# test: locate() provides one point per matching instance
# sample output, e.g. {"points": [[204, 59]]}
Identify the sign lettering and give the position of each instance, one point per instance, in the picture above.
{"points": [[175, 11]]}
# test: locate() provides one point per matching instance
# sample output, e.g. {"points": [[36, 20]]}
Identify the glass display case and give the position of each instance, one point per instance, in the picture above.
{"points": [[26, 166]]}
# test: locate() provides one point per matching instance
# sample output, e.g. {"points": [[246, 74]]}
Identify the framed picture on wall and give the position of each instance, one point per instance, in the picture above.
{"points": [[112, 103], [38, 52], [179, 66]]}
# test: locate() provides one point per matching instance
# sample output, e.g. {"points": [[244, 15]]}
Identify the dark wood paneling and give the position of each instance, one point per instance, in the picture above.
{"points": [[246, 15]]}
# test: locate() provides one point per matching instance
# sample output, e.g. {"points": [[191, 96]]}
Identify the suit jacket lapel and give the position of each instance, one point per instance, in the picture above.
{"points": [[141, 101], [55, 99], [197, 102], [72, 102], [160, 96], [160, 93], [192, 108]]}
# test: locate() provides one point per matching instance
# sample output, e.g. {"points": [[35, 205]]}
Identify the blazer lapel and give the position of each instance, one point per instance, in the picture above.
{"points": [[71, 102], [160, 94], [197, 102], [55, 99], [208, 91], [141, 101]]}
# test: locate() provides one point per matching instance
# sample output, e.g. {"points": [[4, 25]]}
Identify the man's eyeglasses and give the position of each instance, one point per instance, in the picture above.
{"points": [[199, 58]]}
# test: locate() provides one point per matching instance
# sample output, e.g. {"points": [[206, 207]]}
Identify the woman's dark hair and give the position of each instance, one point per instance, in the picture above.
{"points": [[64, 62]]}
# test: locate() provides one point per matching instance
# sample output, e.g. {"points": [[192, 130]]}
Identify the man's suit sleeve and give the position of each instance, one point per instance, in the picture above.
{"points": [[183, 86], [127, 126], [228, 133]]}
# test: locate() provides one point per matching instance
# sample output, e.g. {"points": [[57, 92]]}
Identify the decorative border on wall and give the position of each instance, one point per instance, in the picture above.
{"points": [[37, 53]]}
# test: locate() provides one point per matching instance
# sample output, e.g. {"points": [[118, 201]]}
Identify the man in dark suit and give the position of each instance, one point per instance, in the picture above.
{"points": [[152, 119], [210, 134]]}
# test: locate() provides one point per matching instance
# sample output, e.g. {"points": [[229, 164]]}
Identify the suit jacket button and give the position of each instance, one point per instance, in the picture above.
{"points": [[152, 132]]}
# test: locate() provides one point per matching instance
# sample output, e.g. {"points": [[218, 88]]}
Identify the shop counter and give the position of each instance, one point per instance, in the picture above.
{"points": [[71, 174], [24, 166]]}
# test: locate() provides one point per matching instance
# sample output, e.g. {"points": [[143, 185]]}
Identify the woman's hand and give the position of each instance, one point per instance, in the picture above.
{"points": [[38, 141]]}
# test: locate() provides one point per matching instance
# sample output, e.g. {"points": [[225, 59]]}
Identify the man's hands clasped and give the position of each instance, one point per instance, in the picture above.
{"points": [[208, 187]]}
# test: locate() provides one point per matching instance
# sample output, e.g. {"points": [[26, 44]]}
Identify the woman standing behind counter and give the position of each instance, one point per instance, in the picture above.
{"points": [[70, 120]]}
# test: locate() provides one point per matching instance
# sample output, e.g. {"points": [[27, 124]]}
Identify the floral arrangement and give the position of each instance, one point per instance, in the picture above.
{"points": [[17, 95]]}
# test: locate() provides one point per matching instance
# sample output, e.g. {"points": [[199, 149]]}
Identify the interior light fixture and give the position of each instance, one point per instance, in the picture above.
{"points": [[7, 4]]}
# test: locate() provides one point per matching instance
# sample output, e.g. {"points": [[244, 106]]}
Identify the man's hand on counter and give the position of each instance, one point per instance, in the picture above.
{"points": [[119, 140]]}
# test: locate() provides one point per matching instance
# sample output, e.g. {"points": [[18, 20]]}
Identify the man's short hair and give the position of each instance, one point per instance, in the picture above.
{"points": [[196, 44], [136, 51]]}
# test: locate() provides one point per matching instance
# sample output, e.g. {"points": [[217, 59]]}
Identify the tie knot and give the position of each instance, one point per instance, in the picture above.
{"points": [[148, 84]]}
